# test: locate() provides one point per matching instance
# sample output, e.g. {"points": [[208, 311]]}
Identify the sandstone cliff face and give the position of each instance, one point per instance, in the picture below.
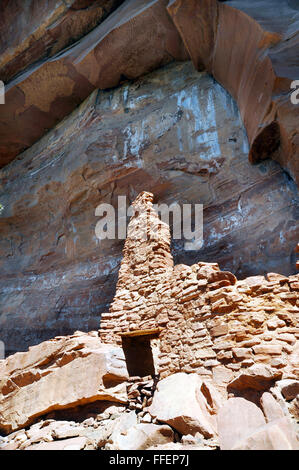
{"points": [[123, 46], [196, 349], [142, 35], [250, 49], [32, 31], [175, 132]]}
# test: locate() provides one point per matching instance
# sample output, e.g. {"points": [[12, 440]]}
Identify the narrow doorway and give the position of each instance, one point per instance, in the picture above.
{"points": [[139, 354]]}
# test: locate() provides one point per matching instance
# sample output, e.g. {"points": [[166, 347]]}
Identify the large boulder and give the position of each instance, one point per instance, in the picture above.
{"points": [[274, 436], [257, 377], [57, 374], [115, 431], [243, 426], [179, 402]]}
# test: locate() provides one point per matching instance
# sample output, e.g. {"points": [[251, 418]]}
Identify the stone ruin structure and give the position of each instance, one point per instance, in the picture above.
{"points": [[188, 357], [199, 318]]}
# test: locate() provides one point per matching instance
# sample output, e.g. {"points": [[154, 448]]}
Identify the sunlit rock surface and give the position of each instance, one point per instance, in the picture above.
{"points": [[189, 347]]}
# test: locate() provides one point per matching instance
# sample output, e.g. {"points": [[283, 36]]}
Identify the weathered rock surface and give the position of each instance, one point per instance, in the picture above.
{"points": [[179, 402], [56, 276], [140, 36], [115, 434], [61, 373], [34, 30], [273, 436], [76, 443], [242, 426], [137, 38], [142, 436], [257, 377], [289, 388], [236, 419], [250, 48], [271, 408]]}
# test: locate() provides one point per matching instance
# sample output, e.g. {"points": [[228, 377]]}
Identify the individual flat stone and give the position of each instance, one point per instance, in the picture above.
{"points": [[76, 443], [142, 436]]}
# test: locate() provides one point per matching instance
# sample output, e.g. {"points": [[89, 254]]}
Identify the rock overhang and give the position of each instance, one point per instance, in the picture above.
{"points": [[215, 35]]}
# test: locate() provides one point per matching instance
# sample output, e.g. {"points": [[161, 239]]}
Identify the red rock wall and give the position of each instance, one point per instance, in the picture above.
{"points": [[249, 53], [243, 51], [32, 31], [123, 46]]}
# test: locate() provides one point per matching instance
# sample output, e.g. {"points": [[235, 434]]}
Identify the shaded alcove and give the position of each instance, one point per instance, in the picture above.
{"points": [[137, 347]]}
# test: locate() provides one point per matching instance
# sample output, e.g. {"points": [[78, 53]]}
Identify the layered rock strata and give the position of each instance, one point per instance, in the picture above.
{"points": [[175, 133], [250, 49], [32, 31], [58, 374], [142, 35], [124, 46]]}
